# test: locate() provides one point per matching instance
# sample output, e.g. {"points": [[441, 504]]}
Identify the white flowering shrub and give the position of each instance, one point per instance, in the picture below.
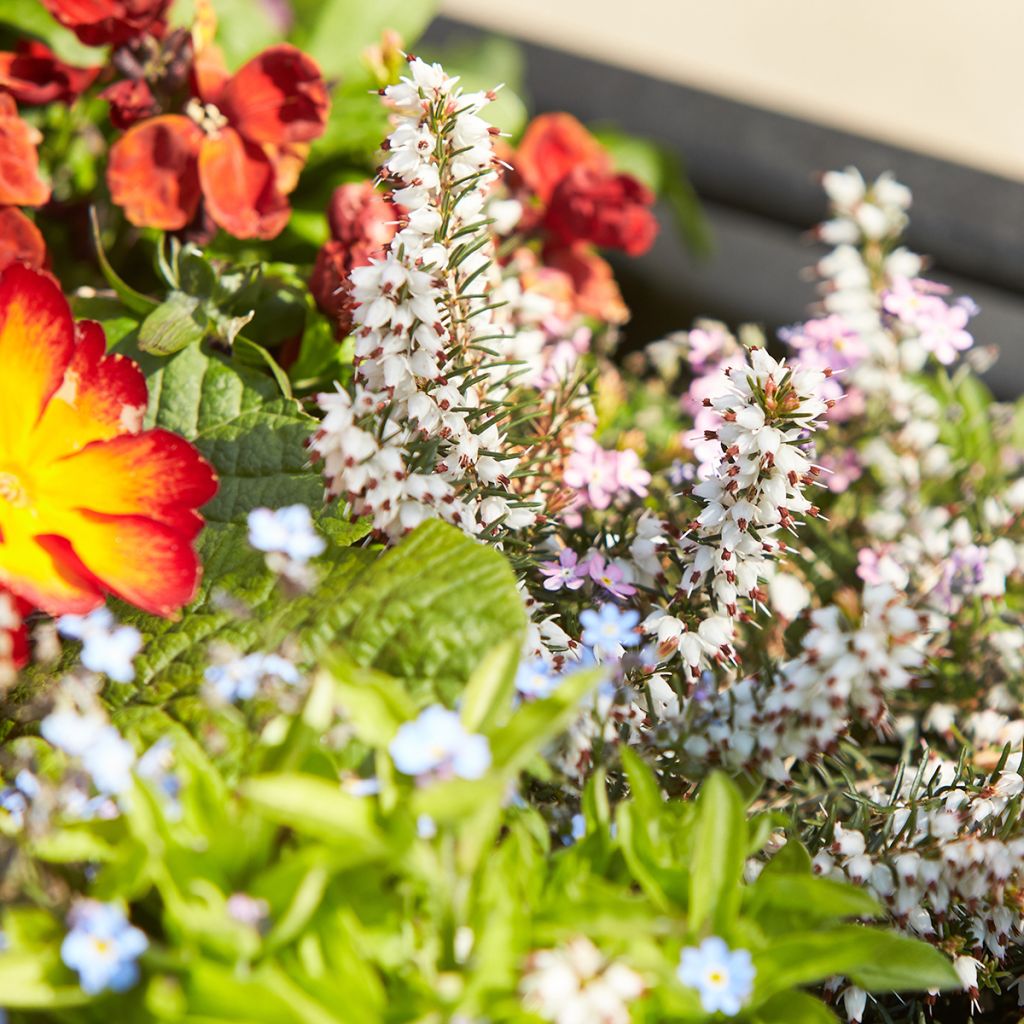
{"points": [[376, 644]]}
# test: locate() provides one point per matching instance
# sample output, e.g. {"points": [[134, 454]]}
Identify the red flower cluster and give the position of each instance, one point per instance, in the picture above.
{"points": [[575, 201], [239, 146], [20, 185], [103, 22], [33, 75], [362, 224], [582, 199]]}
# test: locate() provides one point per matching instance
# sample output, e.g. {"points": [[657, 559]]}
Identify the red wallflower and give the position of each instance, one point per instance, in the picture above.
{"points": [[34, 75], [362, 224], [582, 199], [239, 148], [99, 22], [20, 240], [20, 185], [552, 145], [595, 290], [131, 101], [610, 210]]}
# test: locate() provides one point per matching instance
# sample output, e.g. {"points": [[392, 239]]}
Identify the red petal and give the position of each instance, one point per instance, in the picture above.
{"points": [[130, 102], [45, 571], [102, 396], [610, 210], [20, 240], [99, 22], [36, 347], [153, 172], [593, 281], [149, 564], [35, 75], [13, 634], [157, 474], [20, 184], [279, 96], [552, 146], [239, 187]]}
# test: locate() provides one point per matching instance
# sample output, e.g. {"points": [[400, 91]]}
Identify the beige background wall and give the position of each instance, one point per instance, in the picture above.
{"points": [[945, 77]]}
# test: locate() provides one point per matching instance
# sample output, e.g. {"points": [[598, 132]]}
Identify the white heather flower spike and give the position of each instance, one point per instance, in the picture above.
{"points": [[419, 434], [768, 412], [842, 674]]}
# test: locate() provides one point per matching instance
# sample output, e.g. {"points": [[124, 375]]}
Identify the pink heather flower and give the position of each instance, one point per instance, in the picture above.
{"points": [[944, 334], [706, 348], [828, 343], [940, 327], [831, 339], [868, 566], [600, 474], [629, 472], [566, 572], [588, 470], [841, 470], [908, 300], [610, 576]]}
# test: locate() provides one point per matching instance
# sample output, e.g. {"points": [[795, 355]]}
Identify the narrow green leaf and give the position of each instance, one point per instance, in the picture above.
{"points": [[720, 845], [134, 300], [488, 694]]}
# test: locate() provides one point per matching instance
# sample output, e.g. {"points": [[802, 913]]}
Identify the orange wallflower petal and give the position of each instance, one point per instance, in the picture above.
{"points": [[20, 184], [149, 564], [278, 96], [100, 397], [36, 346], [239, 186], [152, 172], [552, 145], [20, 240], [156, 474]]}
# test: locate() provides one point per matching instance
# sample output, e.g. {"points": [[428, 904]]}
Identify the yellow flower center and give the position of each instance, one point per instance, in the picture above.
{"points": [[102, 946], [716, 977], [13, 489]]}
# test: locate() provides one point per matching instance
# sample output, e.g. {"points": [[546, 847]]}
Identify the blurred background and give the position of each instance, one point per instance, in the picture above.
{"points": [[753, 100]]}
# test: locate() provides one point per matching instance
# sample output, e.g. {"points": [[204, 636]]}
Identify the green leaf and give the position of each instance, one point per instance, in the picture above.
{"points": [[133, 300], [720, 845], [645, 792], [806, 897], [374, 704], [175, 324], [432, 606], [876, 960], [794, 1008], [345, 28], [901, 964], [29, 17], [37, 980], [488, 694], [792, 859], [317, 807]]}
